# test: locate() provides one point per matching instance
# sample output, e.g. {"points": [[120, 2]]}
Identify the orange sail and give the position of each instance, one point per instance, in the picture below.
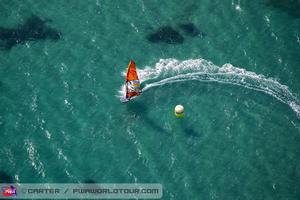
{"points": [[131, 72], [132, 81]]}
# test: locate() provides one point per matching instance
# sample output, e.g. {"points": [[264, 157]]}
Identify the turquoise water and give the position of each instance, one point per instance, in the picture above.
{"points": [[61, 119]]}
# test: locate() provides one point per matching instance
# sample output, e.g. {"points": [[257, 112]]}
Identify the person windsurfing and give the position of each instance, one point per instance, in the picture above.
{"points": [[132, 83]]}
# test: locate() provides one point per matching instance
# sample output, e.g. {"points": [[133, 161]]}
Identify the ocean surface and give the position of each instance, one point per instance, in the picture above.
{"points": [[234, 65]]}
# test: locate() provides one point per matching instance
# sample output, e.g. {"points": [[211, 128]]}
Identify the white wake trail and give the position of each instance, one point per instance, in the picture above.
{"points": [[168, 71]]}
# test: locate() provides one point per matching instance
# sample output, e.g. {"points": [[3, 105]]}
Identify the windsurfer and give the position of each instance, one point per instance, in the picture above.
{"points": [[132, 83]]}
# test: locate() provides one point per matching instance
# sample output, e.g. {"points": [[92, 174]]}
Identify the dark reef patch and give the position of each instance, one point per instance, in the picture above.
{"points": [[5, 178], [191, 30], [89, 181], [166, 34], [292, 7], [169, 35], [33, 29]]}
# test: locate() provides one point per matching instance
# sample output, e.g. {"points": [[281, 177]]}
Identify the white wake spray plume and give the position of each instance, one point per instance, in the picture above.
{"points": [[168, 71]]}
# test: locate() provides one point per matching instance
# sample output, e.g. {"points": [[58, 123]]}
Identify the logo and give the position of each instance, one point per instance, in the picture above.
{"points": [[9, 191]]}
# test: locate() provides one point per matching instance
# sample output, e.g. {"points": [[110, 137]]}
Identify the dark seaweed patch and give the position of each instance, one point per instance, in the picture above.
{"points": [[32, 30], [292, 7], [5, 178], [89, 181], [191, 30], [165, 34]]}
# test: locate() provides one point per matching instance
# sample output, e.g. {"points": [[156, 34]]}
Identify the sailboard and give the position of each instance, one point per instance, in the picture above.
{"points": [[132, 83]]}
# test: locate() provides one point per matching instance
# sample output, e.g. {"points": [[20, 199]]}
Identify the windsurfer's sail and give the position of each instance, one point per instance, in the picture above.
{"points": [[132, 83]]}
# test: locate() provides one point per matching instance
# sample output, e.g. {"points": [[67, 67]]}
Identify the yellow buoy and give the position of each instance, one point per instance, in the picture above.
{"points": [[179, 111]]}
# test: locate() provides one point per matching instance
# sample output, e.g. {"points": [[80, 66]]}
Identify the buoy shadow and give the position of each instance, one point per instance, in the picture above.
{"points": [[190, 132], [186, 127]]}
